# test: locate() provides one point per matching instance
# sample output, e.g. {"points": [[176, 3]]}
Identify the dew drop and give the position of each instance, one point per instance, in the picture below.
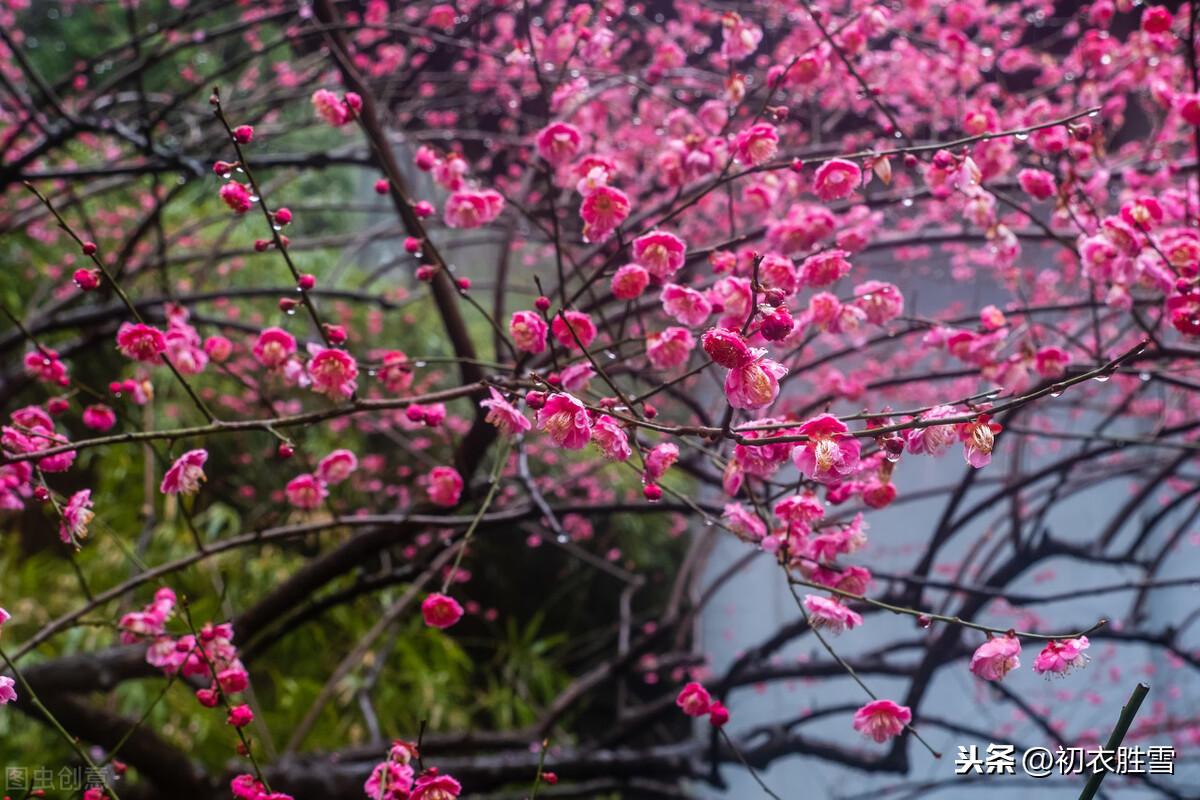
{"points": [[1102, 378]]}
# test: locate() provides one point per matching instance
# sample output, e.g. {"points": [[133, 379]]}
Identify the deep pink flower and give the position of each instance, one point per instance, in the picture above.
{"points": [[1156, 20], [236, 196], [630, 281], [329, 108], [757, 144], [274, 347], [141, 342], [726, 347], [1051, 362], [739, 37], [755, 384], [602, 211], [575, 378], [435, 787], [1061, 656], [240, 716], [800, 509], [932, 439], [660, 459], [306, 491], [804, 226], [472, 209], [979, 437], [609, 435], [830, 614], [685, 305], [830, 455], [660, 252], [778, 272], [7, 693], [566, 420], [877, 494], [218, 348], [390, 780], [528, 330], [504, 415], [881, 302], [669, 348], [1037, 183], [694, 700], [441, 611], [824, 268], [445, 486], [836, 179], [99, 417], [1188, 106], [333, 373], [577, 321], [718, 714], [558, 142], [395, 372], [337, 466], [76, 515], [186, 474], [45, 365], [743, 522], [882, 719], [996, 657]]}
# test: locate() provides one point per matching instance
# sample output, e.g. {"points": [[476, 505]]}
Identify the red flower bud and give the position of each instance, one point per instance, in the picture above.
{"points": [[307, 281], [89, 248], [777, 325], [243, 134], [542, 304], [336, 333], [87, 279], [382, 186]]}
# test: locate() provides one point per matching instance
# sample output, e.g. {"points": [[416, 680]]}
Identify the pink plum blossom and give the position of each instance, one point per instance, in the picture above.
{"points": [[566, 421], [186, 474], [444, 486], [1061, 656], [996, 657], [830, 455], [882, 719]]}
